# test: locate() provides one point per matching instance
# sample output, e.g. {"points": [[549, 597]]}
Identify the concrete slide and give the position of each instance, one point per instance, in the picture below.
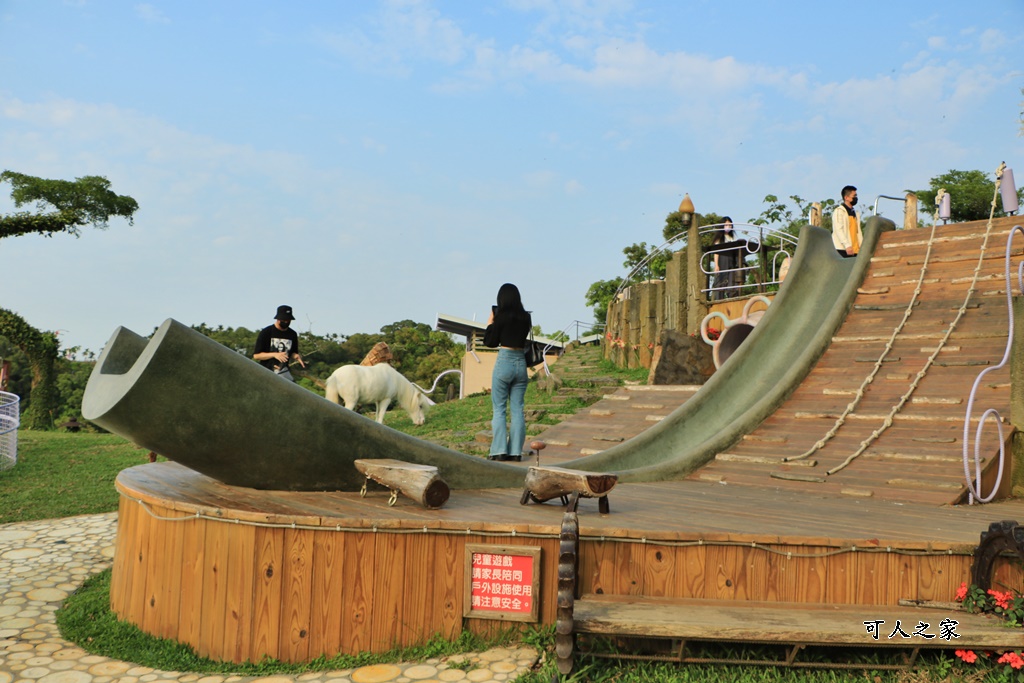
{"points": [[190, 399]]}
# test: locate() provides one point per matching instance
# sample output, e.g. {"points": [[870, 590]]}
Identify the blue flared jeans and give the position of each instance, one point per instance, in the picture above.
{"points": [[508, 386]]}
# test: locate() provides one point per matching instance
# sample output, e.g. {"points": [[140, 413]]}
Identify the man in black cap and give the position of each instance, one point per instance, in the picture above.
{"points": [[278, 344]]}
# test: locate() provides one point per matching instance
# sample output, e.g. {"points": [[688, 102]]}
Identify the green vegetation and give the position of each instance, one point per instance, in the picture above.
{"points": [[62, 475], [971, 194]]}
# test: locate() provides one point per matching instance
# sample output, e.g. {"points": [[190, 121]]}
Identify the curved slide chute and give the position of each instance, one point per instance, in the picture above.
{"points": [[194, 401], [190, 399], [793, 334]]}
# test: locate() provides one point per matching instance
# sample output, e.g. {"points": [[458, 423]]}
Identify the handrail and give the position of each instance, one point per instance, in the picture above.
{"points": [[438, 379], [787, 245], [874, 209], [974, 486]]}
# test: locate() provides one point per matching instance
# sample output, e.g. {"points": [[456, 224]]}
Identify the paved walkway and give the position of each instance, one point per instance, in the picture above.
{"points": [[41, 563]]}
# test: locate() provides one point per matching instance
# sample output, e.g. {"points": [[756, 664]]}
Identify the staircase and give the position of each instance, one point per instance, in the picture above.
{"points": [[918, 458]]}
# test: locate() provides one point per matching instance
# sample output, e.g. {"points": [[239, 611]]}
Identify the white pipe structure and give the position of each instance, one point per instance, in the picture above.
{"points": [[974, 485]]}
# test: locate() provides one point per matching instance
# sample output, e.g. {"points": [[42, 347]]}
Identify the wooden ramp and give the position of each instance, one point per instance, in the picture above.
{"points": [[918, 458], [619, 415]]}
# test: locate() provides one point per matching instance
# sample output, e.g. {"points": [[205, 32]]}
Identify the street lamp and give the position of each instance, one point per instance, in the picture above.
{"points": [[686, 210]]}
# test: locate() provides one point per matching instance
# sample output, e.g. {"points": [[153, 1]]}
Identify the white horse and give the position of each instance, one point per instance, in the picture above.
{"points": [[380, 384]]}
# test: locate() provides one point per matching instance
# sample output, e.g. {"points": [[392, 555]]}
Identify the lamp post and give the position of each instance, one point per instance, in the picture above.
{"points": [[696, 308]]}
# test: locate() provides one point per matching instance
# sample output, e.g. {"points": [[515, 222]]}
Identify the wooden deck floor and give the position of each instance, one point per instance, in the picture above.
{"points": [[667, 511]]}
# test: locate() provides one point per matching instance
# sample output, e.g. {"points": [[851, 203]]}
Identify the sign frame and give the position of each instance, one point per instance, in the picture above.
{"points": [[533, 553]]}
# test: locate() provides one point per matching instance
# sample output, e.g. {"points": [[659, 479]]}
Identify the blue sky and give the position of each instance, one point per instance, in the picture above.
{"points": [[369, 162]]}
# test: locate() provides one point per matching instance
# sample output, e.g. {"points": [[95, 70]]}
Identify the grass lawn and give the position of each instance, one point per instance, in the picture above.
{"points": [[62, 475]]}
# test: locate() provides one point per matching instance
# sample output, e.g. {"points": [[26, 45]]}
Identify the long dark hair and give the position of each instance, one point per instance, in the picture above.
{"points": [[510, 303], [720, 235]]}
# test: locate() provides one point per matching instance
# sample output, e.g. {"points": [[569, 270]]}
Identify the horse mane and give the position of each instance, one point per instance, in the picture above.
{"points": [[407, 393]]}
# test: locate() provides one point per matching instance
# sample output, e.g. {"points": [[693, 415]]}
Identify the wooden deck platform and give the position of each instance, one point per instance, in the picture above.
{"points": [[240, 574]]}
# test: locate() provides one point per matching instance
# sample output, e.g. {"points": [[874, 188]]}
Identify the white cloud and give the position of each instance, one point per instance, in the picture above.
{"points": [[151, 14], [992, 40]]}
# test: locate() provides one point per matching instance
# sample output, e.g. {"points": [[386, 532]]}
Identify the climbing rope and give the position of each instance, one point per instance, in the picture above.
{"points": [[859, 394], [888, 421]]}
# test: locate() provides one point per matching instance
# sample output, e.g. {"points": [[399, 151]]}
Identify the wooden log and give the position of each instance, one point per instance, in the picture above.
{"points": [[545, 483], [421, 483]]}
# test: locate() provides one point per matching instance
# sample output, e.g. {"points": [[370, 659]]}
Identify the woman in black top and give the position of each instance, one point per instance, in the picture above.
{"points": [[507, 329]]}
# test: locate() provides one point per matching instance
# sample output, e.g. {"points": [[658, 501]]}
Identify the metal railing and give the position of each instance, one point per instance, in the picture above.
{"points": [[874, 209], [10, 418], [772, 249]]}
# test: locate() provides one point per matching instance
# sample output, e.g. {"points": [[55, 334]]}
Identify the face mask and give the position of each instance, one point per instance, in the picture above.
{"points": [[853, 202]]}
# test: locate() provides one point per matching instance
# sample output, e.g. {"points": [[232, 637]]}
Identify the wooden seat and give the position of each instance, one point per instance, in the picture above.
{"points": [[545, 483], [422, 483]]}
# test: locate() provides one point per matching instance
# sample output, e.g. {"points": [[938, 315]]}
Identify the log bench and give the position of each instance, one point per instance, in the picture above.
{"points": [[544, 483], [676, 623], [421, 483]]}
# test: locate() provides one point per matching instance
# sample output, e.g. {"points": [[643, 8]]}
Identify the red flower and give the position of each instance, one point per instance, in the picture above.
{"points": [[608, 335], [1011, 658], [968, 656], [1002, 599], [961, 592]]}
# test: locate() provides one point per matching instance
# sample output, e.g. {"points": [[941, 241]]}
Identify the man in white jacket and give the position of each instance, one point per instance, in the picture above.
{"points": [[846, 234]]}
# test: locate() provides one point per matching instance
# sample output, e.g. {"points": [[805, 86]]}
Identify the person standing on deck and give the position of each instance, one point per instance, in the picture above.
{"points": [[846, 234]]}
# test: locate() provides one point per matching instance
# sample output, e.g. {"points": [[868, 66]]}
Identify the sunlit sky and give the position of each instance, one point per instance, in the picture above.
{"points": [[369, 162]]}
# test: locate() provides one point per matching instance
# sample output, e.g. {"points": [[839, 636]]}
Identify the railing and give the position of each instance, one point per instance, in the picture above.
{"points": [[10, 418], [874, 209], [774, 249]]}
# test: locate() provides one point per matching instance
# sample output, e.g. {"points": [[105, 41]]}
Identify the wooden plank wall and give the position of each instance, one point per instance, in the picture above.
{"points": [[239, 592]]}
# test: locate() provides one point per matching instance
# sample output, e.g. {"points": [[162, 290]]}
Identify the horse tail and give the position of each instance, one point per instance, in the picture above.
{"points": [[331, 390]]}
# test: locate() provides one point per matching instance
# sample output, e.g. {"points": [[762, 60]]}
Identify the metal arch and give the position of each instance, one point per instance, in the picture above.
{"points": [[438, 379]]}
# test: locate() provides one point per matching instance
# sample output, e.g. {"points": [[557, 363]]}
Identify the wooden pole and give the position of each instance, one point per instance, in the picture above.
{"points": [[910, 211]]}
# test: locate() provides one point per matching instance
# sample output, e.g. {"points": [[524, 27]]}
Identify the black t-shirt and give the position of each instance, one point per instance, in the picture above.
{"points": [[271, 339], [509, 331]]}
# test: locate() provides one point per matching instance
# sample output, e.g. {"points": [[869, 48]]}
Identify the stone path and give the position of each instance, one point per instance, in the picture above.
{"points": [[41, 563]]}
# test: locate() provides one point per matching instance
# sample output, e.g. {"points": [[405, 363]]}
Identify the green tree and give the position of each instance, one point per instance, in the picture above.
{"points": [[599, 295], [40, 349], [60, 206], [970, 193]]}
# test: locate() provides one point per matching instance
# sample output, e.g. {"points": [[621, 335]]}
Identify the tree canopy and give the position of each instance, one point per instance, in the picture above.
{"points": [[970, 194], [62, 205]]}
